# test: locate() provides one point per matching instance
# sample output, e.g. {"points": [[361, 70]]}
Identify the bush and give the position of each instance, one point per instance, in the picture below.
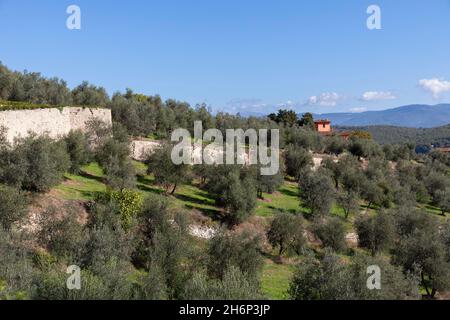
{"points": [[45, 161], [316, 192], [167, 174], [16, 268], [375, 233], [297, 159], [113, 157], [64, 237], [78, 149], [239, 249], [286, 233], [52, 286], [235, 285], [233, 187], [330, 278], [331, 232], [13, 205], [130, 204]]}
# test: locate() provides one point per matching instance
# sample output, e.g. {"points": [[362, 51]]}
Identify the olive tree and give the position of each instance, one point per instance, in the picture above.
{"points": [[286, 232], [13, 204], [375, 233], [167, 174], [316, 192]]}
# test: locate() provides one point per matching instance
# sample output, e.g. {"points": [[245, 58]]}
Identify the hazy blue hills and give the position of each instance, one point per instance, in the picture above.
{"points": [[413, 116]]}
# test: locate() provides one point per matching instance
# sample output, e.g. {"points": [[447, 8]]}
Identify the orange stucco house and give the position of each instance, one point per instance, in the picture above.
{"points": [[323, 126]]}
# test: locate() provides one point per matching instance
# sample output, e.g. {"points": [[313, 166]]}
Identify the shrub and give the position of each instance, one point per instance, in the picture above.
{"points": [[167, 174], [235, 285], [316, 192], [130, 204], [12, 206], [239, 249], [286, 233], [375, 233], [331, 232], [233, 187], [45, 161], [297, 159], [113, 157], [78, 150]]}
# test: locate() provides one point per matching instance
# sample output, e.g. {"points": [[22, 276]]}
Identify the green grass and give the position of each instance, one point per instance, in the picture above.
{"points": [[89, 182], [285, 199], [83, 186], [275, 280], [192, 197]]}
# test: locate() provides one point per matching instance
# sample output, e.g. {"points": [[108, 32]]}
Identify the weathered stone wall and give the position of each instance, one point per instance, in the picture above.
{"points": [[140, 149], [54, 122]]}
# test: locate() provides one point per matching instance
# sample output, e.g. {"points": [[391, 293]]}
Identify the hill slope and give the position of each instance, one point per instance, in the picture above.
{"points": [[414, 116], [439, 136]]}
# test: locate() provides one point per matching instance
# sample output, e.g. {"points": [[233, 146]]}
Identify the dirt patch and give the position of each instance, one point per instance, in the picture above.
{"points": [[41, 204]]}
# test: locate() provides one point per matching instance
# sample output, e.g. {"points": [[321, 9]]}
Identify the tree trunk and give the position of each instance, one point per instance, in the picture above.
{"points": [[281, 250], [433, 293], [260, 194], [423, 282], [368, 206]]}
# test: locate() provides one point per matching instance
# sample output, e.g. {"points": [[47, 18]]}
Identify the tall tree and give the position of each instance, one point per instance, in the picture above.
{"points": [[316, 192], [286, 233], [166, 173]]}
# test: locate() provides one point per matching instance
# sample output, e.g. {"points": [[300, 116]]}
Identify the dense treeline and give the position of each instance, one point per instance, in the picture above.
{"points": [[422, 138], [149, 116], [33, 88]]}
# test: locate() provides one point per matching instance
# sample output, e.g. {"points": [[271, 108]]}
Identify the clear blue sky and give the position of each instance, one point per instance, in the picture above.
{"points": [[248, 55]]}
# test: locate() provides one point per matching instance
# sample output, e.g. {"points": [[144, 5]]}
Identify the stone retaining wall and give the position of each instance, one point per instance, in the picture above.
{"points": [[54, 122]]}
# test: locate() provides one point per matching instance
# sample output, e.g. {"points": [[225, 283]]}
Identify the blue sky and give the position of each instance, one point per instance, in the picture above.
{"points": [[247, 55]]}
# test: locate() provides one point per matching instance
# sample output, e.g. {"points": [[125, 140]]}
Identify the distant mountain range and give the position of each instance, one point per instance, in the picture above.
{"points": [[413, 116]]}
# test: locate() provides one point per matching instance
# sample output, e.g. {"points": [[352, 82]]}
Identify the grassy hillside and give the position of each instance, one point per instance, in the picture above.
{"points": [[276, 273]]}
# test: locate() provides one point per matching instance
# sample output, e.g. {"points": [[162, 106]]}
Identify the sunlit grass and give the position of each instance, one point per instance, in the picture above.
{"points": [[90, 181], [84, 186], [285, 199], [275, 280]]}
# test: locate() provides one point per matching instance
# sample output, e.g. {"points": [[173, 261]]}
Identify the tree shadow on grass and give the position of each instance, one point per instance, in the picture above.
{"points": [[214, 214], [89, 176], [145, 188], [144, 179], [289, 193], [186, 198], [191, 202], [293, 211]]}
